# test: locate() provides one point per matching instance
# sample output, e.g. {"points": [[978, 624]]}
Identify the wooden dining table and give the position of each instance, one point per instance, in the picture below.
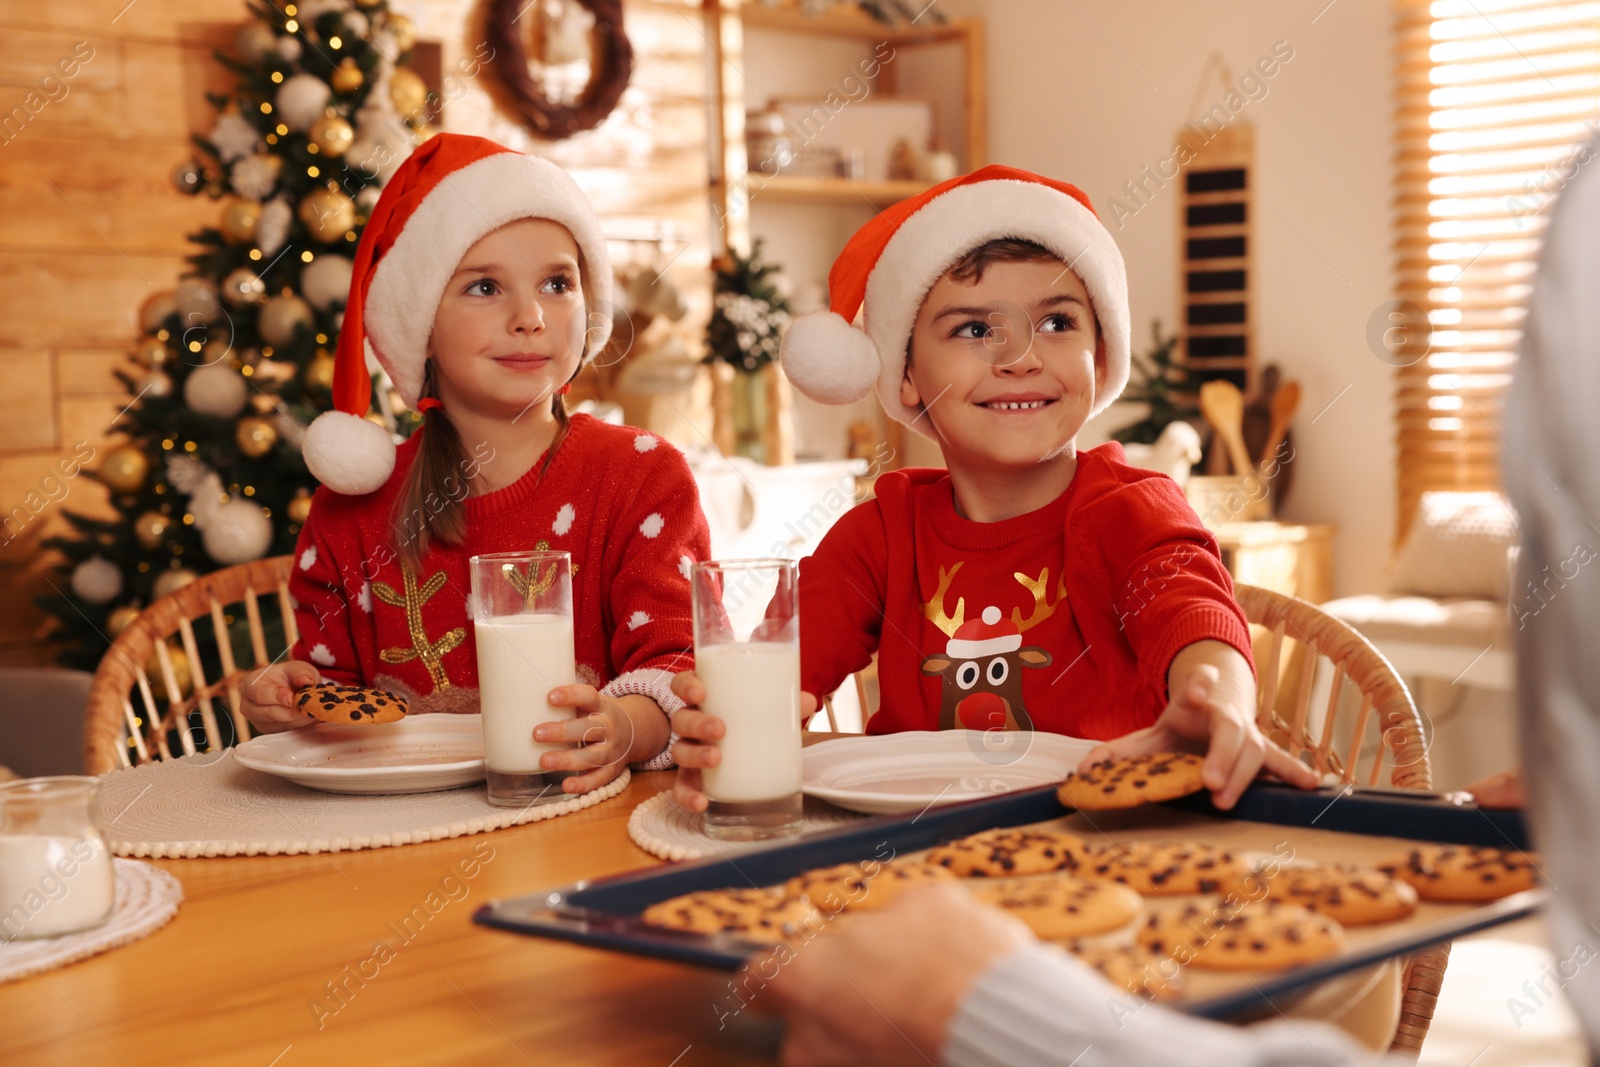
{"points": [[274, 961]]}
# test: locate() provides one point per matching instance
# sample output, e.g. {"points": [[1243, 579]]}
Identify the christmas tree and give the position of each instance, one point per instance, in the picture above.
{"points": [[1164, 385], [237, 360]]}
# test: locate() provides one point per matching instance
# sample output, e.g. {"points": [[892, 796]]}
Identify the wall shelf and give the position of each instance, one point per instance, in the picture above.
{"points": [[834, 190]]}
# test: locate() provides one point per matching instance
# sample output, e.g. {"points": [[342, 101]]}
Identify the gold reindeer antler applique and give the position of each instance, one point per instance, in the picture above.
{"points": [[1042, 607], [934, 608], [431, 653]]}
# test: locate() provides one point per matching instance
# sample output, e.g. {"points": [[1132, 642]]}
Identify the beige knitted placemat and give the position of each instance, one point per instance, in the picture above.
{"points": [[146, 900], [662, 828], [211, 805]]}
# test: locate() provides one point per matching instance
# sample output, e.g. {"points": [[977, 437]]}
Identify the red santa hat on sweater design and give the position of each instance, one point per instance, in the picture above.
{"points": [[888, 267], [447, 195], [987, 635]]}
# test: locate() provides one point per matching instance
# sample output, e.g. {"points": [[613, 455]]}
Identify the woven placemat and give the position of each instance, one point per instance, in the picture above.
{"points": [[146, 900], [662, 828], [210, 805]]}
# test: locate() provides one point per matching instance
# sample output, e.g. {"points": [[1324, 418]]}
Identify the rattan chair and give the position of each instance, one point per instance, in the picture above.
{"points": [[1319, 735], [119, 732]]}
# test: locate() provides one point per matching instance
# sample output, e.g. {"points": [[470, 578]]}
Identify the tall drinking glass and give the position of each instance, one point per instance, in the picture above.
{"points": [[747, 652], [522, 619]]}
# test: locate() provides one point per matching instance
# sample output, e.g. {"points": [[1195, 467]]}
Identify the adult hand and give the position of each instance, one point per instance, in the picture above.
{"points": [[884, 988]]}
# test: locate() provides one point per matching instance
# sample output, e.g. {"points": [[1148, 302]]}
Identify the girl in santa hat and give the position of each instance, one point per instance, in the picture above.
{"points": [[481, 286]]}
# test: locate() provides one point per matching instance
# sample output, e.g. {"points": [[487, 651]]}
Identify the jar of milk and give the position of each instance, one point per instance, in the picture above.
{"points": [[55, 870]]}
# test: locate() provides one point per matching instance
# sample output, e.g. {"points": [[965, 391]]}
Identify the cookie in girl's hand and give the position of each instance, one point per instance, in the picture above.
{"points": [[348, 704]]}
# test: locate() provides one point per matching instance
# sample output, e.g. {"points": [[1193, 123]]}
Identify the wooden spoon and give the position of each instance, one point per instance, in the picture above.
{"points": [[1223, 407], [1284, 404]]}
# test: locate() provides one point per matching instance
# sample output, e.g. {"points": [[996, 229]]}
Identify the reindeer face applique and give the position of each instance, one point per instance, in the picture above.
{"points": [[983, 659]]}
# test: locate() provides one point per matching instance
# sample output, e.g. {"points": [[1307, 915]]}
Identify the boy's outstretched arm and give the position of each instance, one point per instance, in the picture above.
{"points": [[1211, 707]]}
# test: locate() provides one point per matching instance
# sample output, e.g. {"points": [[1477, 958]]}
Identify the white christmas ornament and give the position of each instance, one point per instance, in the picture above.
{"points": [[170, 581], [272, 228], [236, 532], [289, 49], [197, 302], [326, 279], [156, 384], [234, 137], [217, 390], [280, 317], [308, 11], [357, 23], [254, 177], [96, 580], [377, 153], [301, 101]]}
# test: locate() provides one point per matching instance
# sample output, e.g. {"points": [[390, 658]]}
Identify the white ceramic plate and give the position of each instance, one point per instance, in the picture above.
{"points": [[418, 754], [896, 773]]}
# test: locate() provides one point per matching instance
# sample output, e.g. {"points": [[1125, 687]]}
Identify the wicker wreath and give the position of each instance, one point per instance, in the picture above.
{"points": [[510, 67]]}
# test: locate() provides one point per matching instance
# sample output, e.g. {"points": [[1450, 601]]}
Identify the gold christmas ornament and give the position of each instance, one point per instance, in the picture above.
{"points": [[281, 317], [347, 78], [125, 468], [331, 134], [319, 372], [156, 310], [119, 619], [242, 287], [376, 418], [255, 436], [214, 352], [299, 508], [424, 132], [407, 92], [239, 218], [328, 214], [405, 32], [170, 581], [180, 673], [150, 530], [151, 353]]}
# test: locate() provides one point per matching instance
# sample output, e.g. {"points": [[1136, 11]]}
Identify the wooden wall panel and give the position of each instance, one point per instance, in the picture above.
{"points": [[90, 225]]}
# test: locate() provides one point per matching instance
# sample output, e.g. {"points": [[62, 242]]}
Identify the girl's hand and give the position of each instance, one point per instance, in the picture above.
{"points": [[267, 695], [1204, 716], [698, 734], [601, 728]]}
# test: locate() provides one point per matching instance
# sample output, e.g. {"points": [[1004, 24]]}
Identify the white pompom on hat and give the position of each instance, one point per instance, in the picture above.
{"points": [[888, 267], [447, 195]]}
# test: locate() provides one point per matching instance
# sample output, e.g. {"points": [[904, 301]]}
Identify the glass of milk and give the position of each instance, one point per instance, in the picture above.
{"points": [[747, 653], [522, 622], [55, 870]]}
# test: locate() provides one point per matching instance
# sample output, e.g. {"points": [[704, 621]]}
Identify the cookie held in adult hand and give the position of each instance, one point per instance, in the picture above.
{"points": [[350, 704], [1132, 781]]}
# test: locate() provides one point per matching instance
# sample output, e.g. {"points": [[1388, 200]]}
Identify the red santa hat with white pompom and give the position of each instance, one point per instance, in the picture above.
{"points": [[447, 195], [888, 267]]}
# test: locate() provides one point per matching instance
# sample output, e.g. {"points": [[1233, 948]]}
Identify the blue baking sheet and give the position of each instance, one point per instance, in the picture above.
{"points": [[605, 913]]}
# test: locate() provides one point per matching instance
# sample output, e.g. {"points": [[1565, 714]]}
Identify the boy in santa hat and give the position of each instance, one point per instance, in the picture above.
{"points": [[1029, 585]]}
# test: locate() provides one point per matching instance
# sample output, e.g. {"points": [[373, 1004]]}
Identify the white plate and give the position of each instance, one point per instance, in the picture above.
{"points": [[418, 754], [911, 771]]}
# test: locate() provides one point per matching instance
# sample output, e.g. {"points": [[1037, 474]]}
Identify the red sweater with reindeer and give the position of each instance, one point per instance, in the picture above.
{"points": [[1065, 619], [622, 501]]}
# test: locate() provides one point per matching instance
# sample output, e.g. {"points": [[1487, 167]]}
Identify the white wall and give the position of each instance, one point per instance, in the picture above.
{"points": [[1093, 90]]}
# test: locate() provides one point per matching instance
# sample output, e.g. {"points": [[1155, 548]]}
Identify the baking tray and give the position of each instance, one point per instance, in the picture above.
{"points": [[1359, 825]]}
